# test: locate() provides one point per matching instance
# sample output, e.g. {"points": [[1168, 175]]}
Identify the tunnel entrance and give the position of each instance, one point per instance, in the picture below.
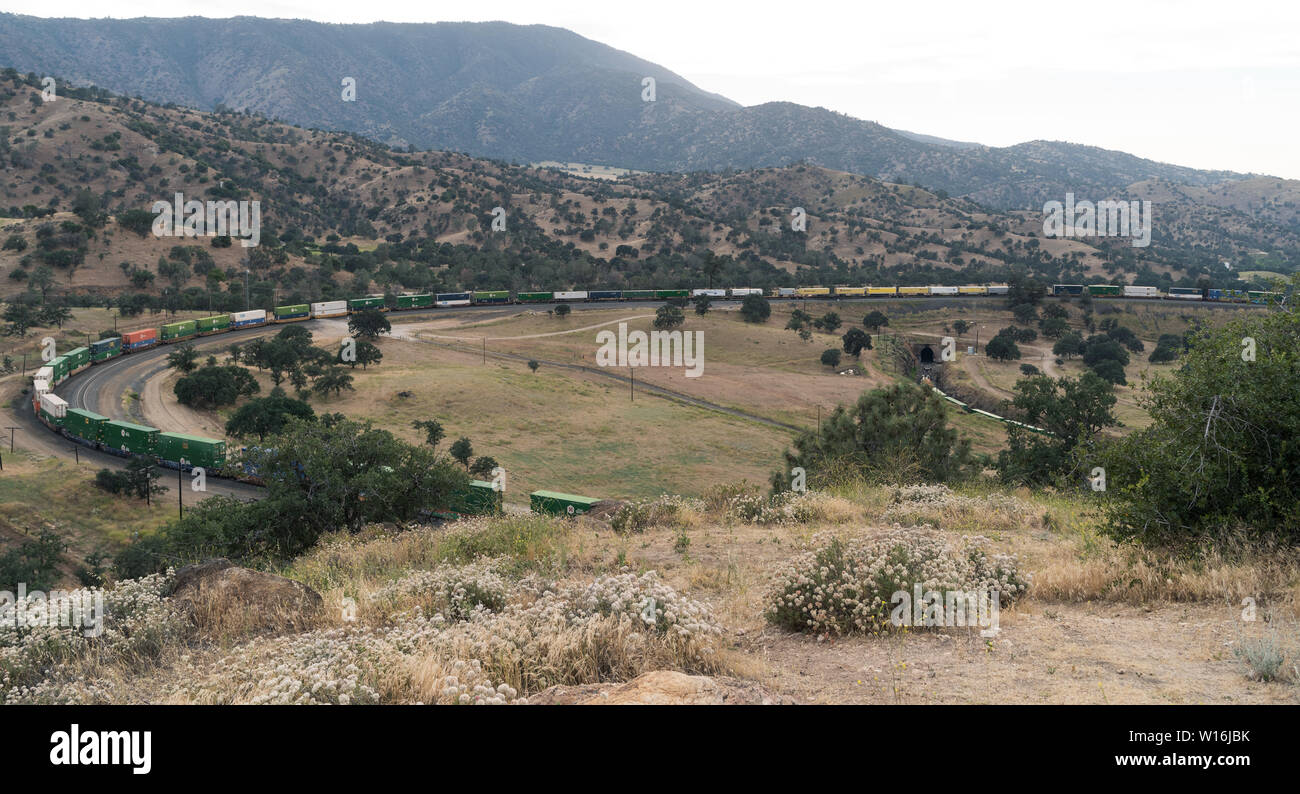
{"points": [[927, 355]]}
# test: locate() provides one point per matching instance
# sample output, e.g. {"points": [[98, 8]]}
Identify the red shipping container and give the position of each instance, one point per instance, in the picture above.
{"points": [[134, 337]]}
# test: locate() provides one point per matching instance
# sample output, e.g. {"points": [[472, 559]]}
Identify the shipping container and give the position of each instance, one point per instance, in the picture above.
{"points": [[784, 292], [1067, 289], [292, 313], [54, 405], [139, 340], [873, 291], [913, 291], [214, 324], [329, 309], [712, 293], [479, 499], [187, 451], [999, 289], [85, 425], [105, 349], [607, 295], [127, 437], [556, 503], [452, 299], [972, 290], [1100, 290], [638, 294], [571, 295], [1141, 292], [249, 318], [45, 373], [743, 292], [534, 297], [662, 294], [40, 386], [60, 367], [184, 329], [368, 302], [1269, 298], [935, 290], [423, 300], [851, 292], [78, 359], [492, 296], [812, 292], [1186, 294]]}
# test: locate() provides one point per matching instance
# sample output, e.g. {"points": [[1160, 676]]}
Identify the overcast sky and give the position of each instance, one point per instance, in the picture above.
{"points": [[1197, 83]]}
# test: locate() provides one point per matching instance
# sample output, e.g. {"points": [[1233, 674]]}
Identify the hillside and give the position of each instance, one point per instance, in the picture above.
{"points": [[533, 93]]}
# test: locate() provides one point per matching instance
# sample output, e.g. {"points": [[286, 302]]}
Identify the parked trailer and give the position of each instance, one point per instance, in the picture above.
{"points": [[570, 295], [745, 292], [606, 295], [84, 425], [880, 292], [105, 349], [214, 324], [420, 300], [184, 451], [128, 438], [174, 332], [452, 299], [556, 503], [938, 290], [1185, 294], [248, 319], [295, 312], [535, 297], [492, 296], [139, 340], [1141, 292]]}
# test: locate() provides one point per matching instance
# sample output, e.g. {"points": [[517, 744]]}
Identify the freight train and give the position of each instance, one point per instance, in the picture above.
{"points": [[1175, 293]]}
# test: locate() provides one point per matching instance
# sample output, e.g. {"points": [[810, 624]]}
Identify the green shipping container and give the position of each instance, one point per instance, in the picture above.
{"points": [[220, 322], [84, 424], [128, 437], [559, 503], [77, 358], [639, 294], [60, 367], [188, 450], [422, 301], [105, 349], [50, 419], [296, 311], [179, 330], [358, 304], [672, 293], [479, 499], [536, 297], [492, 296], [1104, 289]]}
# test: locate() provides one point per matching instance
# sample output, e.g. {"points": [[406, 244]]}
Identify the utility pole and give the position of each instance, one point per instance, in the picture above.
{"points": [[11, 437], [180, 499], [245, 289], [24, 365], [76, 453], [632, 384], [485, 350]]}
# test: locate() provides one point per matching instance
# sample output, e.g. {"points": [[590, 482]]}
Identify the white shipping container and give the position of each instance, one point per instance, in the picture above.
{"points": [[1141, 292], [999, 289], [44, 373], [943, 290], [249, 316], [580, 295], [712, 293], [786, 292], [54, 405], [40, 386], [741, 292], [329, 309]]}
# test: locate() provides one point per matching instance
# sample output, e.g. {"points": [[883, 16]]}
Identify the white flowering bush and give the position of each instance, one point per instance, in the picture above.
{"points": [[138, 623], [787, 507], [939, 505], [455, 591], [846, 586], [666, 510]]}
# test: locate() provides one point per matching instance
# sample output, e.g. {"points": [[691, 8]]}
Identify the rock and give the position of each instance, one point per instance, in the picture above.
{"points": [[663, 688], [222, 595]]}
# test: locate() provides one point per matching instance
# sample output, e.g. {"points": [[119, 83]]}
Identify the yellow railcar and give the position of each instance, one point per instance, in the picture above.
{"points": [[882, 290], [913, 291], [813, 292], [855, 292], [972, 290]]}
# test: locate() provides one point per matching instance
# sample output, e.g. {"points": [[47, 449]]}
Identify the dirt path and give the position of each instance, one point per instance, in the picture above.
{"points": [[411, 331]]}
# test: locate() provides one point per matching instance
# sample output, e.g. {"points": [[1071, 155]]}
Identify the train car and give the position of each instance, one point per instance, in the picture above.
{"points": [[813, 292], [174, 332], [1061, 290], [999, 289], [128, 438], [420, 300], [535, 297], [139, 340], [375, 302], [78, 359], [638, 294], [492, 296], [452, 299], [606, 295], [1105, 290], [1131, 291], [215, 324], [40, 386], [913, 292], [1185, 294], [1265, 298], [940, 290], [558, 504], [745, 292], [329, 309], [709, 293], [53, 409], [665, 294], [105, 349], [293, 313], [84, 426], [570, 295], [972, 289], [184, 451], [1227, 295], [248, 319], [784, 292], [46, 375], [851, 292], [881, 292], [60, 366]]}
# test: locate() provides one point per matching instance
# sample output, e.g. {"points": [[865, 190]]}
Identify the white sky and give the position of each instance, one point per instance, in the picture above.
{"points": [[1197, 83]]}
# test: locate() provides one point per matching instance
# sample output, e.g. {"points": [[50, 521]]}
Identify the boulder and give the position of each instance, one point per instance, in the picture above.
{"points": [[663, 688], [220, 594]]}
